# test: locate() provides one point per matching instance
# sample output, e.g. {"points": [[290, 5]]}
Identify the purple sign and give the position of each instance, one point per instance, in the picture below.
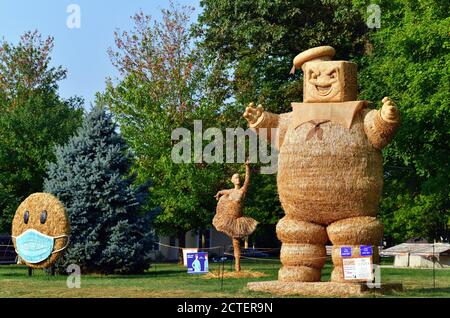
{"points": [[346, 251], [197, 263], [365, 250]]}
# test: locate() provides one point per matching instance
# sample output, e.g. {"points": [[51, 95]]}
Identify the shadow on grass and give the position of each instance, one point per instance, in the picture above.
{"points": [[16, 274], [150, 273], [431, 291]]}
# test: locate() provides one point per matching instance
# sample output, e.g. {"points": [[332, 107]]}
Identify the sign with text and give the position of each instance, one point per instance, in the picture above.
{"points": [[197, 263], [358, 268], [346, 251], [365, 250]]}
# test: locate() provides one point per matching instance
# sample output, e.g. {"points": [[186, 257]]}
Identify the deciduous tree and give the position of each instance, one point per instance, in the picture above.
{"points": [[33, 119], [157, 92], [409, 61]]}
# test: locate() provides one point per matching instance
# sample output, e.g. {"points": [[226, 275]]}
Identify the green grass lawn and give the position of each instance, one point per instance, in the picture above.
{"points": [[171, 280]]}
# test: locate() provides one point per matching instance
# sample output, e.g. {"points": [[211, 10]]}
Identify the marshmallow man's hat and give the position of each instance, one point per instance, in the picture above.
{"points": [[320, 53]]}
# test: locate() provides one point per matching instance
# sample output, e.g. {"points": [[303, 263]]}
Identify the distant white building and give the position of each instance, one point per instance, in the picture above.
{"points": [[420, 255], [215, 243]]}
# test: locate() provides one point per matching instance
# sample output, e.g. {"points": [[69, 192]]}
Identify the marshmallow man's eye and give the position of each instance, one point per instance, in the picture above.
{"points": [[332, 74], [43, 217], [26, 217], [313, 75]]}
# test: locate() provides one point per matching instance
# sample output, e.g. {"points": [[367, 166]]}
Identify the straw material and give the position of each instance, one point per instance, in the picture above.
{"points": [[303, 255], [363, 230], [337, 258], [378, 131], [329, 179], [337, 275], [266, 119], [316, 53], [343, 90], [321, 289], [229, 218], [341, 113], [57, 222], [230, 221], [269, 120], [231, 275], [283, 124], [290, 230], [298, 274], [237, 254]]}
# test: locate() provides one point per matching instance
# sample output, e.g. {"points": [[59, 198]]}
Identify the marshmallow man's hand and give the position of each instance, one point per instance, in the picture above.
{"points": [[252, 113], [389, 112]]}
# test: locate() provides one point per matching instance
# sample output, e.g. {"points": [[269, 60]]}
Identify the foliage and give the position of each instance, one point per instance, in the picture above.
{"points": [[33, 118], [159, 91], [25, 67], [410, 62], [250, 45], [91, 177]]}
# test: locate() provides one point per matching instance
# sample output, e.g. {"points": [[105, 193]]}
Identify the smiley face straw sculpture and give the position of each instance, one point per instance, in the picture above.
{"points": [[40, 230]]}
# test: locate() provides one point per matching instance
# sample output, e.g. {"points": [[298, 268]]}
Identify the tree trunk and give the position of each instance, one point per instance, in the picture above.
{"points": [[203, 240], [237, 255], [181, 245], [246, 242]]}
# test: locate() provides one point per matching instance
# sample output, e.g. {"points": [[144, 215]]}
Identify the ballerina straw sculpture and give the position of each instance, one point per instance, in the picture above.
{"points": [[229, 218]]}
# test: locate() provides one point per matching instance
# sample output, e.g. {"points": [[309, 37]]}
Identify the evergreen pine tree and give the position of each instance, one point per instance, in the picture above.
{"points": [[91, 177]]}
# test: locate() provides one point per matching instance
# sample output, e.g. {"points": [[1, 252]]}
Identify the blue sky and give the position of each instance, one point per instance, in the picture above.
{"points": [[82, 51]]}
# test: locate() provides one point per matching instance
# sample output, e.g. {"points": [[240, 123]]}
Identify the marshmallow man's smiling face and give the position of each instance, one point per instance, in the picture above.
{"points": [[329, 81], [323, 80]]}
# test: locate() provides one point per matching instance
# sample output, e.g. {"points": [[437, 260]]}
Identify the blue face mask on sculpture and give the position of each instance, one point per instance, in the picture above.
{"points": [[34, 247]]}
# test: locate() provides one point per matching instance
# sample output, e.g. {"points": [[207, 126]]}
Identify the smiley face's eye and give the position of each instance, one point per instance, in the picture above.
{"points": [[332, 75], [26, 217], [43, 217]]}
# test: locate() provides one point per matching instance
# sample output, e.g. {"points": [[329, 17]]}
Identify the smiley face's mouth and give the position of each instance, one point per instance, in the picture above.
{"points": [[323, 90]]}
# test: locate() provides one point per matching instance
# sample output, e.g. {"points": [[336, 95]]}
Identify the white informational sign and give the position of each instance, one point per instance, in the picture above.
{"points": [[358, 268], [186, 251]]}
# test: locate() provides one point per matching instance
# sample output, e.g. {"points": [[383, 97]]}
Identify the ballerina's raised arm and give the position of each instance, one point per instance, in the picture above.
{"points": [[247, 177]]}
